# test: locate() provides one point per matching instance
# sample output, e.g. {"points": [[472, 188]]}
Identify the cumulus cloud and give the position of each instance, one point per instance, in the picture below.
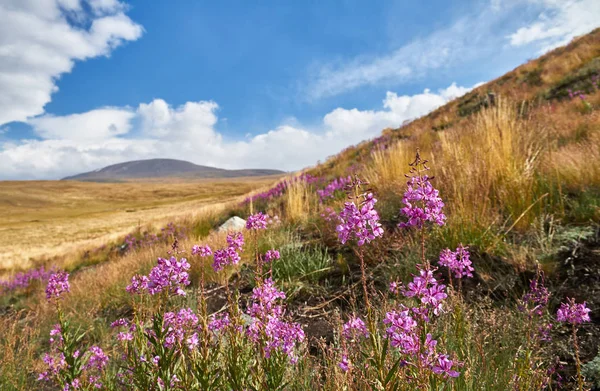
{"points": [[97, 124], [38, 44], [91, 140], [558, 23]]}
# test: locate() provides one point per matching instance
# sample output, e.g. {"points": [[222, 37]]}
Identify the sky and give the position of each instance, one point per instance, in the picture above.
{"points": [[239, 84]]}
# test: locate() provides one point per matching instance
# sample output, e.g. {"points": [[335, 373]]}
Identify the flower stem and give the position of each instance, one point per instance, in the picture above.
{"points": [[577, 360]]}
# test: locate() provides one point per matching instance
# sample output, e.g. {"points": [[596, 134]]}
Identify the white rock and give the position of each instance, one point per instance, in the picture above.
{"points": [[233, 224]]}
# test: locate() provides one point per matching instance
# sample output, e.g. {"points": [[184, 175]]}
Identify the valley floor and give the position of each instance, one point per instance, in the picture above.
{"points": [[53, 218]]}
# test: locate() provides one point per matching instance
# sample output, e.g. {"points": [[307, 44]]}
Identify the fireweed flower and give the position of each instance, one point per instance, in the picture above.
{"points": [[257, 221], [271, 255], [537, 298], [573, 313], [235, 240], [179, 327], [430, 292], [458, 262], [58, 284], [402, 330], [265, 299], [97, 359], [218, 322], [355, 327], [267, 323], [422, 203], [225, 257], [228, 255], [443, 367], [361, 224], [56, 335], [344, 364], [168, 275], [203, 251]]}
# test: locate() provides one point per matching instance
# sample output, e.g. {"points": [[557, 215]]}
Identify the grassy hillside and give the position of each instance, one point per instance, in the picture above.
{"points": [[517, 166]]}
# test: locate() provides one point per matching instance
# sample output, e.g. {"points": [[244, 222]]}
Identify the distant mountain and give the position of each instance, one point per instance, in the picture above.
{"points": [[163, 168]]}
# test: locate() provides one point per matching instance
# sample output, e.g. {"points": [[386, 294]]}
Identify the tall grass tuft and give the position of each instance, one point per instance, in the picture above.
{"points": [[297, 207]]}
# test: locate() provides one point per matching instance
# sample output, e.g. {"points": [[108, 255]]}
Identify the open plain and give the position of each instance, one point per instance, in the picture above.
{"points": [[44, 219]]}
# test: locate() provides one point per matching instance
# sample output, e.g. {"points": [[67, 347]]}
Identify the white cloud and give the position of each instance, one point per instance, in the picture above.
{"points": [[192, 122], [38, 45], [91, 140], [97, 124], [558, 23]]}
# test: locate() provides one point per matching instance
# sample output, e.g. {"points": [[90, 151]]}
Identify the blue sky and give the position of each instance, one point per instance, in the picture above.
{"points": [[277, 84]]}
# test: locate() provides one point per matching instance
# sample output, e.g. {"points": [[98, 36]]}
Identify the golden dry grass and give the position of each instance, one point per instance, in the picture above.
{"points": [[297, 202], [50, 218]]}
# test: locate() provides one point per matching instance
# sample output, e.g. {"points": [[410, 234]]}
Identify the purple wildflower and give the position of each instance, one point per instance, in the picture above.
{"points": [[271, 255], [402, 330], [225, 257], [444, 367], [355, 327], [427, 288], [203, 251], [257, 221], [573, 313], [344, 364], [218, 322], [267, 324], [423, 203], [362, 224], [235, 240], [97, 359], [538, 296], [168, 275], [58, 284], [457, 262]]}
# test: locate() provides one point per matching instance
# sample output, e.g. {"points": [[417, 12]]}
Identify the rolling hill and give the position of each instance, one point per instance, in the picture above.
{"points": [[164, 168]]}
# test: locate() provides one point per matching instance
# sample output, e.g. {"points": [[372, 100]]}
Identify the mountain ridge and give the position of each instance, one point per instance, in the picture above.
{"points": [[164, 168]]}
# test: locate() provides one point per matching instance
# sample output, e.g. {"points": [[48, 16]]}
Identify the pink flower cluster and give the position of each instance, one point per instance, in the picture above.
{"points": [[228, 255], [267, 322], [458, 262], [426, 288], [94, 363], [362, 224], [58, 283], [333, 186], [271, 255], [203, 251], [168, 275], [422, 203], [24, 279], [355, 328], [180, 328], [218, 322], [124, 335], [404, 331], [257, 221], [538, 296], [573, 313]]}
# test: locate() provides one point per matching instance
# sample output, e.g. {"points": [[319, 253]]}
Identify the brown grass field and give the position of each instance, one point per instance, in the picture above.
{"points": [[42, 219]]}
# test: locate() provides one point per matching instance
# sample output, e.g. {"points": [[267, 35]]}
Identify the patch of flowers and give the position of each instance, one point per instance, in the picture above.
{"points": [[332, 187], [148, 239], [23, 280], [171, 341]]}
